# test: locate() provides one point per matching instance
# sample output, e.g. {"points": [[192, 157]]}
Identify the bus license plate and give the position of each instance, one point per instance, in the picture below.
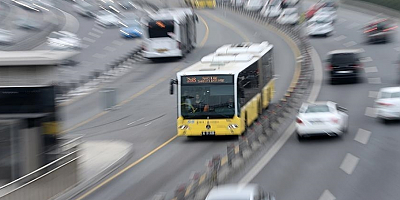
{"points": [[208, 133]]}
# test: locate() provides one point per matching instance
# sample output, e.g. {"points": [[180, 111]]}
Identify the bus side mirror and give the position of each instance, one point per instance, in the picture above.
{"points": [[171, 86]]}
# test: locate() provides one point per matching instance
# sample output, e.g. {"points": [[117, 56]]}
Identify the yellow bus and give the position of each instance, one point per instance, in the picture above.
{"points": [[226, 91]]}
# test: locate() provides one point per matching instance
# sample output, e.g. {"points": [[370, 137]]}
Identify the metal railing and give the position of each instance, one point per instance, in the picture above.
{"points": [[45, 182]]}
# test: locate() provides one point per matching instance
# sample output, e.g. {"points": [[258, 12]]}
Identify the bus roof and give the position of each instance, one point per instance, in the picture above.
{"points": [[178, 17], [34, 58], [228, 59]]}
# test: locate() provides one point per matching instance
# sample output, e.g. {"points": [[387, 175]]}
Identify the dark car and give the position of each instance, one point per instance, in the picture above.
{"points": [[380, 30], [344, 65]]}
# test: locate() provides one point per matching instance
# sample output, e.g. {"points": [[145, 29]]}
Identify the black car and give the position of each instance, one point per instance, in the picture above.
{"points": [[344, 65], [380, 30]]}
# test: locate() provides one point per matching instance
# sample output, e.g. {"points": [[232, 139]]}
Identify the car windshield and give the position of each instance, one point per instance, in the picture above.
{"points": [[56, 35], [388, 95], [343, 58], [317, 109]]}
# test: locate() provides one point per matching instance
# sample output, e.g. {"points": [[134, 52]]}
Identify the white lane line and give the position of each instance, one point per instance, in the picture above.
{"points": [[352, 25], [342, 37], [366, 59], [370, 112], [362, 136], [350, 44], [147, 124], [326, 195], [97, 55], [94, 35], [349, 163], [89, 40], [370, 69], [135, 121], [85, 46], [397, 49], [374, 80], [116, 42], [107, 48], [373, 94], [316, 61], [97, 30]]}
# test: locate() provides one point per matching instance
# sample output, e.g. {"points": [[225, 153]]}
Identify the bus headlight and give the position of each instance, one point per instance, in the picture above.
{"points": [[183, 127], [232, 126]]}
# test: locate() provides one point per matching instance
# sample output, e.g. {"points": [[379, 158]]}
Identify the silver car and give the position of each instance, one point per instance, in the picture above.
{"points": [[239, 192]]}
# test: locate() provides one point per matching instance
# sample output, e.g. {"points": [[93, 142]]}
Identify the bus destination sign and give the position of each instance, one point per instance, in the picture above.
{"points": [[207, 79]]}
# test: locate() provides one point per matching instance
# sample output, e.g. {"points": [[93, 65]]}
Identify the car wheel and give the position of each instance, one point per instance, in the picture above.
{"points": [[332, 82], [299, 137], [346, 128], [385, 121]]}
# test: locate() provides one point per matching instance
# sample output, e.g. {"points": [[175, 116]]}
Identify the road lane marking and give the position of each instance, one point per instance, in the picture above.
{"points": [[350, 44], [366, 59], [126, 169], [285, 136], [100, 27], [326, 195], [88, 39], [228, 25], [97, 30], [107, 48], [362, 136], [135, 121], [373, 94], [97, 55], [342, 37], [349, 163], [370, 69], [370, 112], [94, 35], [374, 80], [116, 42], [147, 124]]}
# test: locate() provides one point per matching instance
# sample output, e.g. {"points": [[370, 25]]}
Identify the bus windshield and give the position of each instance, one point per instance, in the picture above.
{"points": [[208, 100], [161, 28]]}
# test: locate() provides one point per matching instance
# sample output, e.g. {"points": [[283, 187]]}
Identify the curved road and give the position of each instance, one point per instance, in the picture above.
{"points": [[148, 118], [363, 164]]}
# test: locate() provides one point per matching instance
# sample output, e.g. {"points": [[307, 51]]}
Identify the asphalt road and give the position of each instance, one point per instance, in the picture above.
{"points": [[149, 118], [363, 164], [22, 37]]}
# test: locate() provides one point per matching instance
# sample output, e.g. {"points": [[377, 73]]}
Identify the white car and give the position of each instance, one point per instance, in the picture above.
{"points": [[63, 40], [291, 2], [387, 104], [6, 37], [321, 118], [85, 9], [320, 25], [289, 16], [238, 191], [253, 5], [331, 11], [106, 18], [272, 9]]}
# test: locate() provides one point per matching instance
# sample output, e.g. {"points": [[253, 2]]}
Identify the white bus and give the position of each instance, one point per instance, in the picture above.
{"points": [[170, 33], [226, 91]]}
